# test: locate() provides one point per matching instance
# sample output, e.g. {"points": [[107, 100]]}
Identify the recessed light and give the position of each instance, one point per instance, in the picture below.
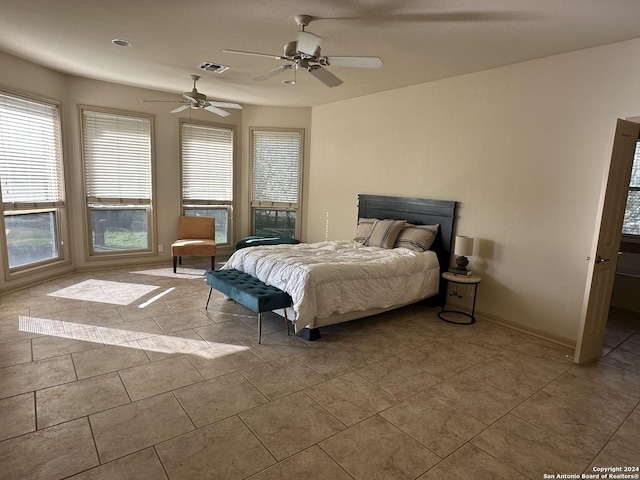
{"points": [[289, 82], [121, 43]]}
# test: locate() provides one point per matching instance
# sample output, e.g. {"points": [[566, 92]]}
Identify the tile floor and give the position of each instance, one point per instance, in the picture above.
{"points": [[125, 375]]}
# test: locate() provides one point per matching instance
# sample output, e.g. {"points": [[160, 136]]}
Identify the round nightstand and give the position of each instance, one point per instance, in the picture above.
{"points": [[460, 280]]}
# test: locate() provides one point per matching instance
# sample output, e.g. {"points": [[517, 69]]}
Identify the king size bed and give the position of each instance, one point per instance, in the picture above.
{"points": [[395, 259]]}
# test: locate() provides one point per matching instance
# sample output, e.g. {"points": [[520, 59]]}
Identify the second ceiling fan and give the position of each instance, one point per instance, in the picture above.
{"points": [[304, 53], [195, 99]]}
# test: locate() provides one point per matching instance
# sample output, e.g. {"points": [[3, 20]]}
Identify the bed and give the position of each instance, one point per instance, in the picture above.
{"points": [[336, 281]]}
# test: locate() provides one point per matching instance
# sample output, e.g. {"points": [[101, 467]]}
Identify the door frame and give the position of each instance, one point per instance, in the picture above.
{"points": [[607, 236]]}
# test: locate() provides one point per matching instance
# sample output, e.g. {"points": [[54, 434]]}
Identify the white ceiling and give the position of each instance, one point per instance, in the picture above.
{"points": [[418, 40]]}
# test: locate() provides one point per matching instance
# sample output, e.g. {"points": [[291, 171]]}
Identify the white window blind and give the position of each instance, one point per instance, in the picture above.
{"points": [[207, 163], [30, 157], [117, 156], [276, 166]]}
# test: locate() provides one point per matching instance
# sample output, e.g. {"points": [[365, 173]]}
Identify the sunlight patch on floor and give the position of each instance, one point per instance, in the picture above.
{"points": [[105, 291], [122, 337]]}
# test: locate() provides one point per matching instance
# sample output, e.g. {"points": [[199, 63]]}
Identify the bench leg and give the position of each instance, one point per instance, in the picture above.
{"points": [[286, 320], [209, 298], [259, 327]]}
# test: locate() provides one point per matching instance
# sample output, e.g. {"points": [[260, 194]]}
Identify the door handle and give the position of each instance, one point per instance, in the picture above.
{"points": [[599, 259]]}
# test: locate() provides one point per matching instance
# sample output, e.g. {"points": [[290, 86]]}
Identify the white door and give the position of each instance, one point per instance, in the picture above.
{"points": [[602, 263]]}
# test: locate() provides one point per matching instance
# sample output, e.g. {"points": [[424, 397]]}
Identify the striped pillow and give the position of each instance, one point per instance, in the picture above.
{"points": [[365, 227], [385, 233], [418, 238]]}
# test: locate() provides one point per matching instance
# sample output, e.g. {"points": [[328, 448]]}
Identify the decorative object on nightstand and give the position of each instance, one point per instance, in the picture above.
{"points": [[463, 249], [471, 281]]}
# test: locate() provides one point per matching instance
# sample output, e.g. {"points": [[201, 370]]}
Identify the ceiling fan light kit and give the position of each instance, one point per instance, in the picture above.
{"points": [[304, 53]]}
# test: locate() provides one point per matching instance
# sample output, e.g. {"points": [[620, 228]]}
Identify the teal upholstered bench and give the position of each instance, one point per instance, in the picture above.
{"points": [[247, 290], [255, 241]]}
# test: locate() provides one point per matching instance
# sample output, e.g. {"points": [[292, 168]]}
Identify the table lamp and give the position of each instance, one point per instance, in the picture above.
{"points": [[463, 249]]}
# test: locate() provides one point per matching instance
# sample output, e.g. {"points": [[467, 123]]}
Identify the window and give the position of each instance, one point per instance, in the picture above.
{"points": [[631, 225], [32, 186], [276, 157], [206, 153], [118, 177]]}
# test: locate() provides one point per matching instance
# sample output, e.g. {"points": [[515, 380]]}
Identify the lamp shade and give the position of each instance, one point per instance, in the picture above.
{"points": [[463, 246]]}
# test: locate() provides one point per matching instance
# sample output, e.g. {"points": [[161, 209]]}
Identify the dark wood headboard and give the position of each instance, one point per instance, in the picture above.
{"points": [[419, 211]]}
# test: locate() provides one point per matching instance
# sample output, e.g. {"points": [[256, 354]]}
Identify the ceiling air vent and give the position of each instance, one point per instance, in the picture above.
{"points": [[213, 67]]}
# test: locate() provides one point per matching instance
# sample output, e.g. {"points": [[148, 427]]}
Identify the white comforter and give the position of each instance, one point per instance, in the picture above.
{"points": [[338, 277]]}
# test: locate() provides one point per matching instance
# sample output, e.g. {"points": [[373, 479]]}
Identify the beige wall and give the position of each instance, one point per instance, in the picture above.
{"points": [[71, 91], [523, 149]]}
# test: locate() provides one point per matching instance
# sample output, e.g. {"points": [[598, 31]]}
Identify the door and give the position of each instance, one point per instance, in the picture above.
{"points": [[602, 263]]}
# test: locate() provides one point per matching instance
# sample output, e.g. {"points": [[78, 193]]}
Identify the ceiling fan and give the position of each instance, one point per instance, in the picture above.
{"points": [[304, 53], [195, 99]]}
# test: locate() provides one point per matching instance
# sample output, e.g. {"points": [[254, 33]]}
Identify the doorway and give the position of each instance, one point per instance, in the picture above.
{"points": [[606, 244]]}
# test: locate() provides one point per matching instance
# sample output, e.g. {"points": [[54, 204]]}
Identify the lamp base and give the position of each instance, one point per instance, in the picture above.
{"points": [[462, 263]]}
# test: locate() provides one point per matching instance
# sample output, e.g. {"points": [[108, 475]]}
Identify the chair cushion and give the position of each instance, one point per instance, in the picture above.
{"points": [[194, 247]]}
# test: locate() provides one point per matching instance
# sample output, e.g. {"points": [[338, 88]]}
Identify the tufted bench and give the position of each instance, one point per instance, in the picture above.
{"points": [[250, 292]]}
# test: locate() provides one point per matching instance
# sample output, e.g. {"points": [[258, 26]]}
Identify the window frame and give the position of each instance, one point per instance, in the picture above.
{"points": [[57, 207], [211, 204], [256, 205], [119, 204]]}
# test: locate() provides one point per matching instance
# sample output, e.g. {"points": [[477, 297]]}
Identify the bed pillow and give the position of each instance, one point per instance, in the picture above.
{"points": [[364, 229], [385, 233], [418, 238]]}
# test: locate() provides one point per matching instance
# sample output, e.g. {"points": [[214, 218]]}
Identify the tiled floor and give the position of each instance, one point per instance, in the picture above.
{"points": [[125, 375]]}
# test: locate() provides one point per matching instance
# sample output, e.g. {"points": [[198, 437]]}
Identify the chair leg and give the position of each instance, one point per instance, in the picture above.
{"points": [[259, 327], [180, 260], [175, 263], [213, 263], [209, 298]]}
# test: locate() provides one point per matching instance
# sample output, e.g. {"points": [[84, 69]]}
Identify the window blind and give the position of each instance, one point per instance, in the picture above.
{"points": [[631, 223], [117, 157], [276, 166], [635, 172], [207, 163], [30, 157]]}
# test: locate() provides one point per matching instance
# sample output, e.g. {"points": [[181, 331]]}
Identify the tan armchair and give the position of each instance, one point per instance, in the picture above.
{"points": [[196, 238]]}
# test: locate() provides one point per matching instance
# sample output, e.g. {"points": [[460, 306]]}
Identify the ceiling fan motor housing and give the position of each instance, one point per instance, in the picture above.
{"points": [[291, 52], [195, 96]]}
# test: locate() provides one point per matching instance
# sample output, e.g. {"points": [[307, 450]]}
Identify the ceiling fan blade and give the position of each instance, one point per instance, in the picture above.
{"points": [[160, 101], [325, 76], [360, 62], [217, 111], [226, 105], [180, 108], [308, 43], [268, 55], [273, 73]]}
